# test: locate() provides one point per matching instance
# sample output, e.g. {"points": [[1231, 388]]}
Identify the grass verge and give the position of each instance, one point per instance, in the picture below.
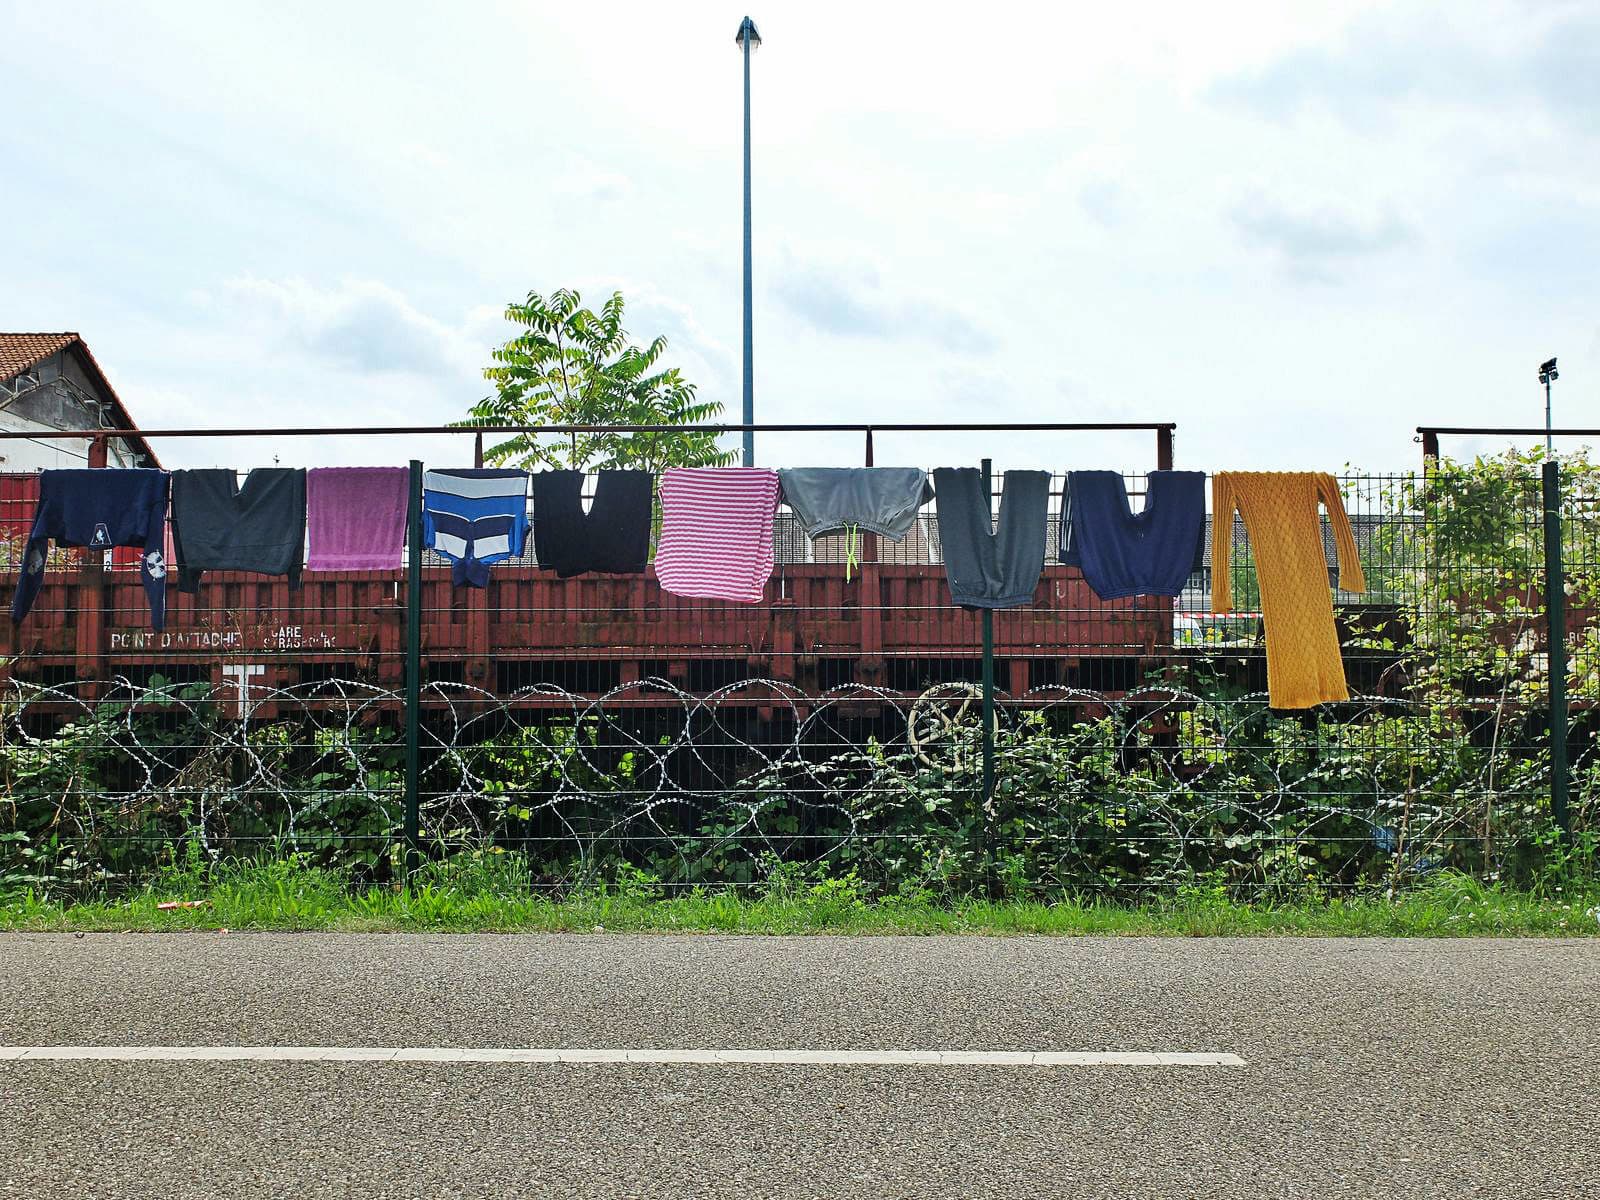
{"points": [[485, 897]]}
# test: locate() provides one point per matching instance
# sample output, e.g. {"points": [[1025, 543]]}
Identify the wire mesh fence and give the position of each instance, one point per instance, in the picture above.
{"points": [[599, 728]]}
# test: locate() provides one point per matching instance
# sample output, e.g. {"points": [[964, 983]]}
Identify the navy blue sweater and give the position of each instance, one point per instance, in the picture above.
{"points": [[99, 509], [1124, 553]]}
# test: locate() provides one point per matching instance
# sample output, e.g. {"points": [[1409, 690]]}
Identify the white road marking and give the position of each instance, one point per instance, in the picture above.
{"points": [[482, 1054]]}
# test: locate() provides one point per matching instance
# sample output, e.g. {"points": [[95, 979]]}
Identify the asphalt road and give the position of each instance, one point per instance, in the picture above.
{"points": [[1374, 1068]]}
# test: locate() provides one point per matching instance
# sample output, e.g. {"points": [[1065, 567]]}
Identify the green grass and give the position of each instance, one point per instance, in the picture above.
{"points": [[486, 896]]}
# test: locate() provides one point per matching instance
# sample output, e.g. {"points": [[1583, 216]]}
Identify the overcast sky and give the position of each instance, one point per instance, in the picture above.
{"points": [[1298, 230]]}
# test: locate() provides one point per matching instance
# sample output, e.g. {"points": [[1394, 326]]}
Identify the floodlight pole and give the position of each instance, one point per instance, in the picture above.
{"points": [[1547, 376], [748, 39], [1549, 440]]}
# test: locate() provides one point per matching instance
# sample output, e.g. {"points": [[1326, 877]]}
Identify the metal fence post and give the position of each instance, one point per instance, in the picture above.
{"points": [[1164, 447], [1555, 610], [413, 705], [1430, 448]]}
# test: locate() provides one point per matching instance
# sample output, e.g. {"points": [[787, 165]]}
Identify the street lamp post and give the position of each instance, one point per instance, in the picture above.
{"points": [[747, 40], [1547, 376]]}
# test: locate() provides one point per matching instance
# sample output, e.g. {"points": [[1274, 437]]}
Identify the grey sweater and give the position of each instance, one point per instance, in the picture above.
{"points": [[881, 500]]}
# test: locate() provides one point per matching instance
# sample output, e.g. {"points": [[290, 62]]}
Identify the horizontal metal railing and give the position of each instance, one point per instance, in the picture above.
{"points": [[386, 430]]}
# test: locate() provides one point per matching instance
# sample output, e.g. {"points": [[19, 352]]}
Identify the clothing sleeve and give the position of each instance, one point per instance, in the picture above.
{"points": [[1223, 503], [1066, 544], [1351, 578], [153, 562], [188, 577], [35, 556], [31, 577], [519, 522], [297, 522]]}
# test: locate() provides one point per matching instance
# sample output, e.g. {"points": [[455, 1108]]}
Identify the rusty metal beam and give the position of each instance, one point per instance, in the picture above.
{"points": [[396, 430]]}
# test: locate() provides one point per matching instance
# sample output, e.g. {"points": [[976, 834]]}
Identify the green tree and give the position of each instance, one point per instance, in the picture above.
{"points": [[570, 365]]}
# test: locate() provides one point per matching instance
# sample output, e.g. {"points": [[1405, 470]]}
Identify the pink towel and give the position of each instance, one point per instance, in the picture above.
{"points": [[356, 517], [716, 531]]}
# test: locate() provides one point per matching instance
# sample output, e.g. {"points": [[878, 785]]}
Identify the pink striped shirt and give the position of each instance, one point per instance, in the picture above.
{"points": [[716, 532]]}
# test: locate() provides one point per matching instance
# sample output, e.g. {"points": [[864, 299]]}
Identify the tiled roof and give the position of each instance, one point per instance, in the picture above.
{"points": [[19, 351]]}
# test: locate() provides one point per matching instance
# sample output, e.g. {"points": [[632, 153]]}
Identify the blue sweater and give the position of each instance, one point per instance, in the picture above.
{"points": [[99, 509], [1124, 553], [473, 517]]}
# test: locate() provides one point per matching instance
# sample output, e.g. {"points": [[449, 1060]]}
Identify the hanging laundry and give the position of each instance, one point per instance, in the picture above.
{"points": [[881, 500], [716, 532], [1280, 514], [99, 508], [356, 518], [1151, 552], [612, 537], [219, 526], [986, 567], [474, 517]]}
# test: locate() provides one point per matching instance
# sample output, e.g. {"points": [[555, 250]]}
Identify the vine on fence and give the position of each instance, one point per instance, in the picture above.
{"points": [[1155, 788]]}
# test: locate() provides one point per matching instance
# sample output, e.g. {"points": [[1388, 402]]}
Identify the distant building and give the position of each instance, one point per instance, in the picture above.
{"points": [[51, 381]]}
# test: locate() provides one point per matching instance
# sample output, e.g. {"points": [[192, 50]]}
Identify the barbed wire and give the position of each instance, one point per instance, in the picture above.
{"points": [[756, 771]]}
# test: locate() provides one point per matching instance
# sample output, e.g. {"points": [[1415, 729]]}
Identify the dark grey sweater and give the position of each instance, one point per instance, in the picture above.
{"points": [[219, 526]]}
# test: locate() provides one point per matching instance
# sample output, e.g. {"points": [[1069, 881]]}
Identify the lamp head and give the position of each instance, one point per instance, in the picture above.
{"points": [[1547, 372], [747, 33]]}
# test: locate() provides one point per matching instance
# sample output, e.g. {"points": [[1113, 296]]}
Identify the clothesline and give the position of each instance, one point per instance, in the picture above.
{"points": [[716, 532]]}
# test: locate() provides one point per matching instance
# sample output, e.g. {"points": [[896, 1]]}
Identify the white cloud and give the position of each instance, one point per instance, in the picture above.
{"points": [[1528, 58], [357, 324], [1315, 243], [840, 291], [423, 156], [705, 359], [583, 179]]}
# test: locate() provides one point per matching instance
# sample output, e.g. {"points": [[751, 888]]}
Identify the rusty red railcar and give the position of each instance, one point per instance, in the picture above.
{"points": [[889, 625]]}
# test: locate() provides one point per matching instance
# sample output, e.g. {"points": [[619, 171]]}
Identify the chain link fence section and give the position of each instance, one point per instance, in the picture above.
{"points": [[600, 729]]}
